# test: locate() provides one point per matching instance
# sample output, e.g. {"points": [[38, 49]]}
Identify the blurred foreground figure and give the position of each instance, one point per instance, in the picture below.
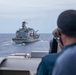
{"points": [[46, 65], [66, 63]]}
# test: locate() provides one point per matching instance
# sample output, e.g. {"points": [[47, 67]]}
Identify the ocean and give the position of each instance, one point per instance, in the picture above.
{"points": [[7, 46]]}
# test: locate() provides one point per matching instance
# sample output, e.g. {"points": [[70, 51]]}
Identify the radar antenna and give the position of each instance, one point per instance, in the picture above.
{"points": [[24, 24]]}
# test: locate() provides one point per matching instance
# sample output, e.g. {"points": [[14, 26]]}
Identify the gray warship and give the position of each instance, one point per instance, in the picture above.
{"points": [[25, 35]]}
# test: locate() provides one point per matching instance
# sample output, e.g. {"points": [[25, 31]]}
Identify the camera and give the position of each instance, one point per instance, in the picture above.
{"points": [[54, 42], [56, 36]]}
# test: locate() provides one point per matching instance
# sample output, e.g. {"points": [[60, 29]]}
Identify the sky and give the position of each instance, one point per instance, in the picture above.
{"points": [[39, 14]]}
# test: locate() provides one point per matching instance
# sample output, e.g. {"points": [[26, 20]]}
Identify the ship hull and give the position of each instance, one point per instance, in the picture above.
{"points": [[24, 40]]}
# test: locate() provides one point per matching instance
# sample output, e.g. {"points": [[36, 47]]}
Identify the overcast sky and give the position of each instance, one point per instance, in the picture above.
{"points": [[40, 14]]}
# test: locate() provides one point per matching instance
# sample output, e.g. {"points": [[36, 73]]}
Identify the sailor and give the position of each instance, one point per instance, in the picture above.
{"points": [[66, 63], [47, 63]]}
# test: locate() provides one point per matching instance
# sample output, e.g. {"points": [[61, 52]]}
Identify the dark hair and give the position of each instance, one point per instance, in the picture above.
{"points": [[67, 23], [53, 46]]}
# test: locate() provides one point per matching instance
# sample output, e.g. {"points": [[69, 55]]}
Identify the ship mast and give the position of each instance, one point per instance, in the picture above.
{"points": [[24, 25]]}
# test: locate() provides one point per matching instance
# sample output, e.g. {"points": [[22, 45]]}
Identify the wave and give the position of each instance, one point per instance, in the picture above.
{"points": [[43, 41], [7, 43]]}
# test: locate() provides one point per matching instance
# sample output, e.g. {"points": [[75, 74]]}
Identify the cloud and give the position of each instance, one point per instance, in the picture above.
{"points": [[15, 8], [34, 4], [9, 7], [45, 11]]}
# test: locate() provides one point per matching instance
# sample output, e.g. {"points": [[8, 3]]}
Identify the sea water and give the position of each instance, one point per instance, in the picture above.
{"points": [[7, 46]]}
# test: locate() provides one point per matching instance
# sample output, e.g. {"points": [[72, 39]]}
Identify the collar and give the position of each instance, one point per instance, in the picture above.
{"points": [[67, 46]]}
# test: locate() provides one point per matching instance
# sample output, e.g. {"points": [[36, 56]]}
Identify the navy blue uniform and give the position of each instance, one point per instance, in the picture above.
{"points": [[66, 63], [46, 65]]}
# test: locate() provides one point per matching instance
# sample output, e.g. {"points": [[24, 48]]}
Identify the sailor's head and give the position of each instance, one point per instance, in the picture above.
{"points": [[67, 23]]}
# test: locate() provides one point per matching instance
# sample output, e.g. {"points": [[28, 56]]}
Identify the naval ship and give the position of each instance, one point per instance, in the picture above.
{"points": [[25, 35]]}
